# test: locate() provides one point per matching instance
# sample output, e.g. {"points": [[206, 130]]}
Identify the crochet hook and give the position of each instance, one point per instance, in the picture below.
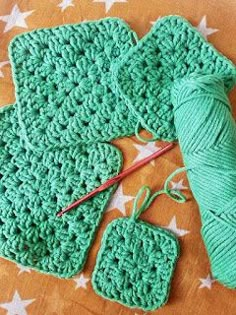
{"points": [[117, 178]]}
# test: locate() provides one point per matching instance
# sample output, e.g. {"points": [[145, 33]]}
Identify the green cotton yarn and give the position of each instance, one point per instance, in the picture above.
{"points": [[207, 136]]}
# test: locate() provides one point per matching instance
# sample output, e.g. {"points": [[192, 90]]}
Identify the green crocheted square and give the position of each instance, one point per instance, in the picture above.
{"points": [[64, 89], [34, 185], [173, 49], [135, 264]]}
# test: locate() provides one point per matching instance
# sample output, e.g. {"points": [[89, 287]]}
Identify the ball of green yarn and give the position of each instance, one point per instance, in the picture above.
{"points": [[207, 136]]}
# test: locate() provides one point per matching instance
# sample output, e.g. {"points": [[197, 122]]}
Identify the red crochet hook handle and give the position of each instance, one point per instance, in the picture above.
{"points": [[116, 178]]}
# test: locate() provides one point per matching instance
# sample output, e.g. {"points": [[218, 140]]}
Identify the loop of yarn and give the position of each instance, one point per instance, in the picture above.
{"points": [[136, 254], [207, 137], [141, 138], [149, 198], [137, 211], [175, 195]]}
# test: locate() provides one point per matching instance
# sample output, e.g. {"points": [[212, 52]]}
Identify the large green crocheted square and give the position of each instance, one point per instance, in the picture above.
{"points": [[34, 185], [173, 49], [64, 89], [135, 264]]}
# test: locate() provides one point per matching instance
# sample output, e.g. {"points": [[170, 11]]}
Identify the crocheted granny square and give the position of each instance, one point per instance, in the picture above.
{"points": [[64, 88], [135, 264], [35, 185], [171, 50]]}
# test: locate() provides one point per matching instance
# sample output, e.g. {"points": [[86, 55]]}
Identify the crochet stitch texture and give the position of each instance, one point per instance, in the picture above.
{"points": [[135, 264], [173, 49], [67, 101], [64, 89], [34, 185]]}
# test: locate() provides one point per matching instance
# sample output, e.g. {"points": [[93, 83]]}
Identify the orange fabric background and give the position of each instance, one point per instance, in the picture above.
{"points": [[52, 296]]}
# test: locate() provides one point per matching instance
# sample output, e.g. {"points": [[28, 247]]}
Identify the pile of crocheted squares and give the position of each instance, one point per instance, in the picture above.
{"points": [[34, 185], [76, 87], [50, 149]]}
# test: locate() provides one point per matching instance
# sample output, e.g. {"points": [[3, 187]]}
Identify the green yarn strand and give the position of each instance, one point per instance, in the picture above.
{"points": [[137, 211], [207, 137], [149, 198], [141, 138]]}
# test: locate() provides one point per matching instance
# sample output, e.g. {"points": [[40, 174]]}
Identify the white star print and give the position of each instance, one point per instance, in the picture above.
{"points": [[118, 201], [17, 305], [15, 18], [109, 3], [206, 282], [203, 29], [146, 150], [81, 281], [178, 186], [23, 269], [173, 228], [65, 4], [2, 64]]}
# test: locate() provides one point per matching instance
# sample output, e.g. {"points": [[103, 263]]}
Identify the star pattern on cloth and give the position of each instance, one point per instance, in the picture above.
{"points": [[64, 4], [204, 30], [145, 151], [178, 185], [109, 3], [119, 200], [81, 281], [15, 18], [206, 282], [17, 306], [173, 228], [23, 269], [2, 64]]}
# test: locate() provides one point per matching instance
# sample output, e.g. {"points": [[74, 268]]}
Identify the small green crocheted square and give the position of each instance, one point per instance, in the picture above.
{"points": [[173, 49], [135, 264], [64, 89], [35, 185]]}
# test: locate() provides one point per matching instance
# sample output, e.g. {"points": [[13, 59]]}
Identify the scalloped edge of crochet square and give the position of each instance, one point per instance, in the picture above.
{"points": [[122, 22]]}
